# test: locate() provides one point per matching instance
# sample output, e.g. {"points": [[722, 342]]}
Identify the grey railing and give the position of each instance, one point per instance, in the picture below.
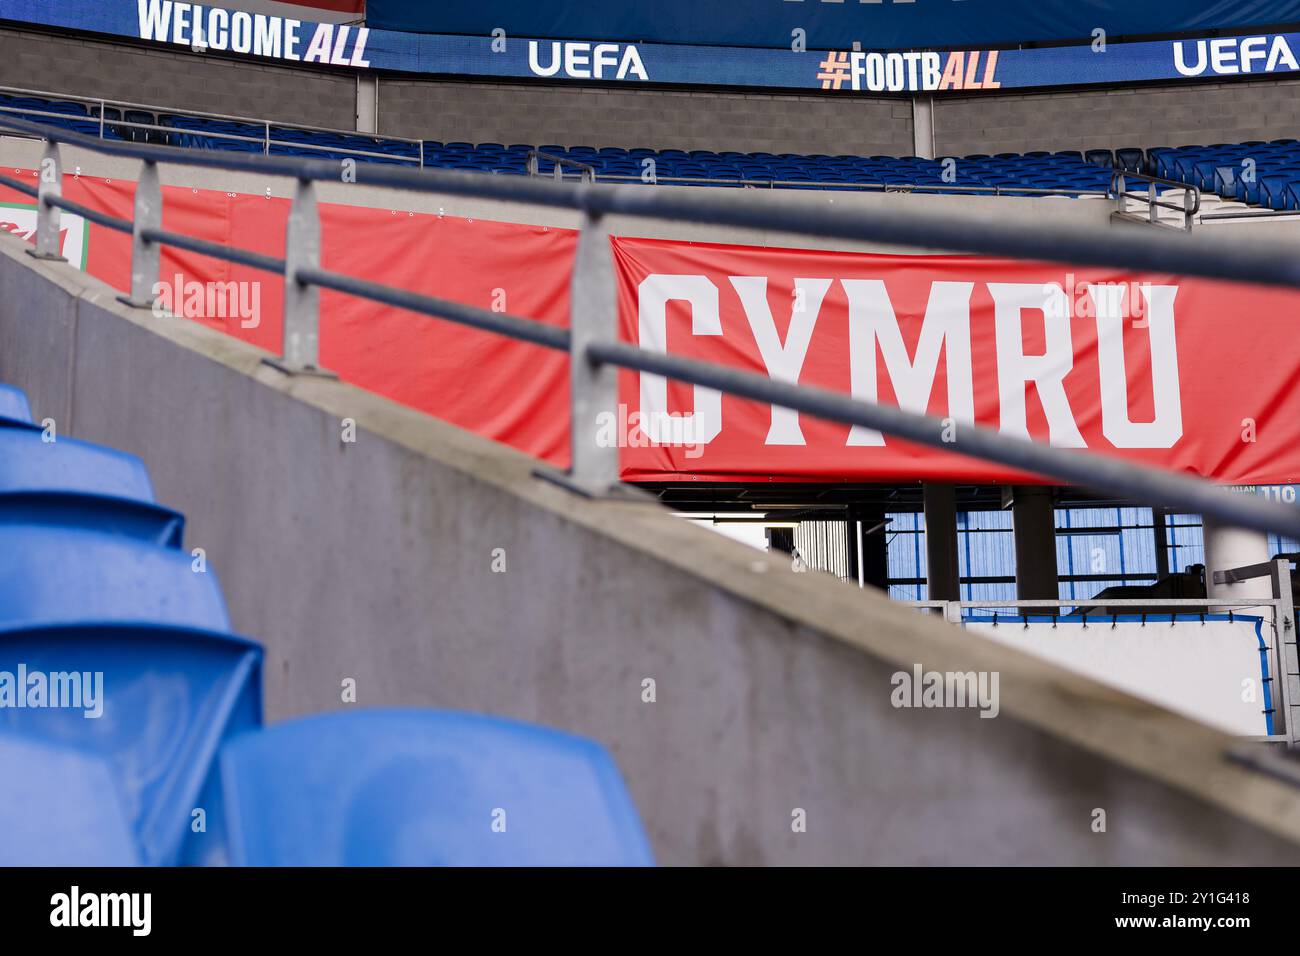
{"points": [[1187, 209], [266, 140], [586, 172], [863, 186], [592, 339]]}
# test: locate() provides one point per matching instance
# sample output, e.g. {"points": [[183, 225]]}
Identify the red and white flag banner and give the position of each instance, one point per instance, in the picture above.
{"points": [[1186, 374]]}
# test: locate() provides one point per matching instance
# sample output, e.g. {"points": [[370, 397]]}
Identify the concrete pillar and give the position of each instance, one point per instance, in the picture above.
{"points": [[1227, 547], [1034, 524], [923, 126], [367, 103], [941, 542]]}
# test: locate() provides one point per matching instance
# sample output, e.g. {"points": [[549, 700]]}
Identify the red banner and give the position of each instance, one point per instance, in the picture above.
{"points": [[507, 390], [1186, 374]]}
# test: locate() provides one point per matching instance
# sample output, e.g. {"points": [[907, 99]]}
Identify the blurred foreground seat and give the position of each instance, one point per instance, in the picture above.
{"points": [[14, 409], [425, 788], [154, 703], [60, 807]]}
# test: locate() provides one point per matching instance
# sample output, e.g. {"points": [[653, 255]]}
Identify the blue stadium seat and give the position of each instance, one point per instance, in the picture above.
{"points": [[167, 700], [403, 787], [1130, 159], [14, 409], [1272, 191], [1037, 169], [142, 521], [1155, 155], [60, 806], [29, 463], [1226, 182], [63, 573], [1204, 172]]}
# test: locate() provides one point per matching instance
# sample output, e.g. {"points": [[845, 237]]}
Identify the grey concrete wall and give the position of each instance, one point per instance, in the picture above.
{"points": [[373, 561], [186, 81], [1180, 115], [660, 119]]}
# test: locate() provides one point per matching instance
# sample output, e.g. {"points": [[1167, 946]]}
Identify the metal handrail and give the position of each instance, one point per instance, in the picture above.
{"points": [[266, 141], [1190, 206], [859, 187], [173, 111], [585, 170], [592, 338]]}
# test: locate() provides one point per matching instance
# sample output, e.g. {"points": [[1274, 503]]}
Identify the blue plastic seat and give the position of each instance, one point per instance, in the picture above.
{"points": [[1130, 159], [29, 463], [63, 574], [140, 520], [14, 409], [1291, 195], [406, 787], [1203, 172], [1226, 182], [1272, 190], [60, 806], [166, 698]]}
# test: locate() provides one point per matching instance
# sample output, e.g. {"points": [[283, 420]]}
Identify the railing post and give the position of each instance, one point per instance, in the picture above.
{"points": [[301, 349], [1153, 197], [49, 184], [145, 255], [1286, 682], [593, 387], [1189, 207]]}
